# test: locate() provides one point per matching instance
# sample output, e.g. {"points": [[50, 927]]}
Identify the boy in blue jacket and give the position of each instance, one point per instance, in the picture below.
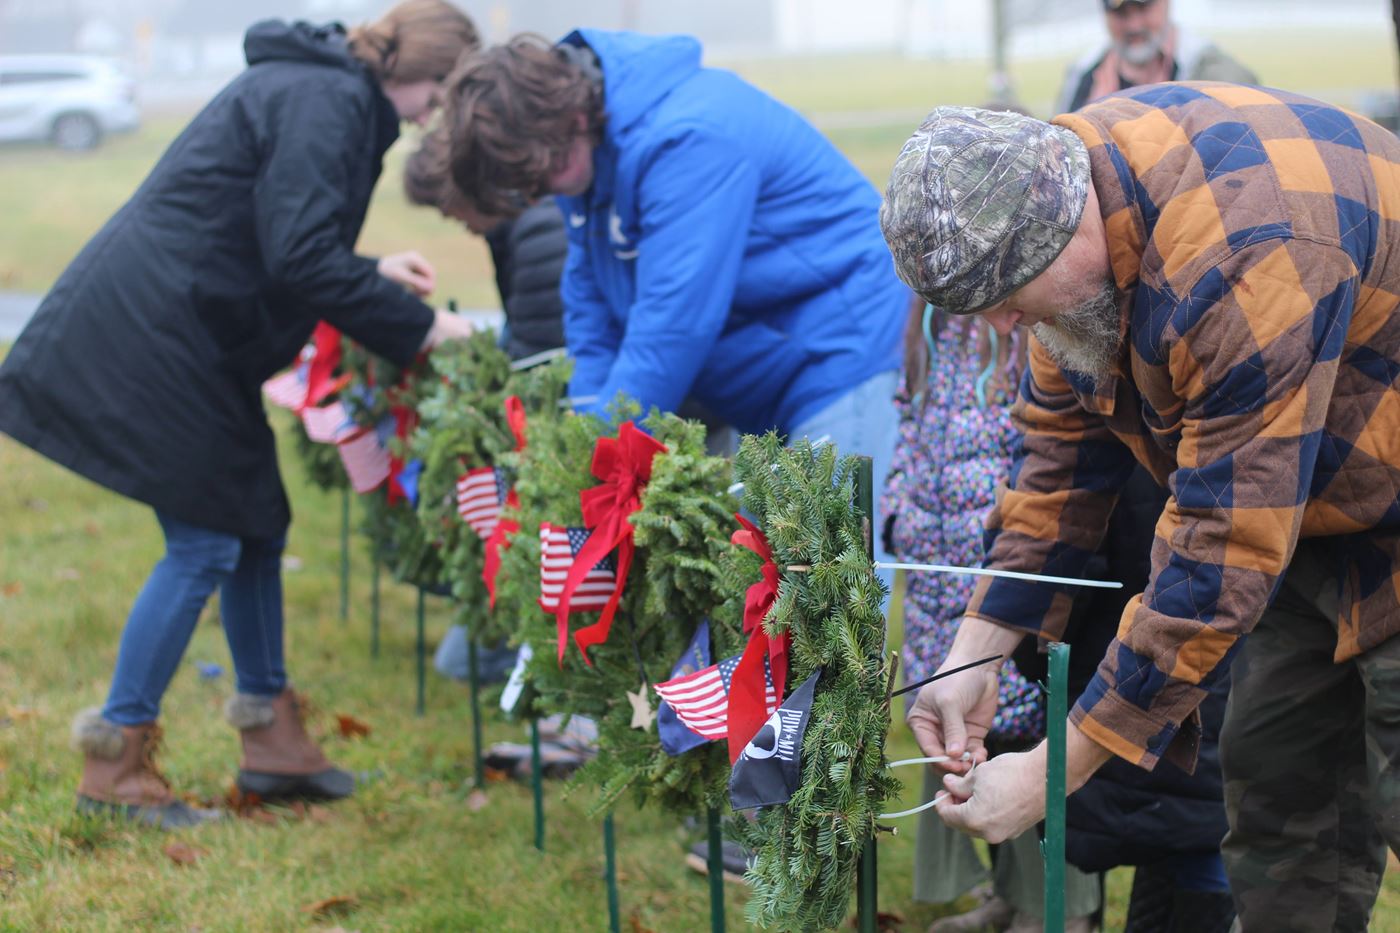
{"points": [[719, 246]]}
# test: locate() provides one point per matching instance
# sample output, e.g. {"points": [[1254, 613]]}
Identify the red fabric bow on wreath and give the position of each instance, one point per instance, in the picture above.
{"points": [[624, 466], [499, 541], [320, 372], [748, 710]]}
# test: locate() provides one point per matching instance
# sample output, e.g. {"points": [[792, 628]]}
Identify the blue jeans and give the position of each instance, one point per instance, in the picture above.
{"points": [[863, 421], [248, 574]]}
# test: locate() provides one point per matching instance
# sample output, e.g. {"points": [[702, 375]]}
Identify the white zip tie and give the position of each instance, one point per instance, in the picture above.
{"points": [[936, 797], [577, 400], [987, 572], [535, 359]]}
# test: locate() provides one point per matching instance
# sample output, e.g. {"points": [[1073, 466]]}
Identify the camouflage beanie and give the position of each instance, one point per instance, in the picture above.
{"points": [[980, 202]]}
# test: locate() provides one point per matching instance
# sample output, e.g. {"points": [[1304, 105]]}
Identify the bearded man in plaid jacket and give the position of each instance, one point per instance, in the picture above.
{"points": [[1211, 274]]}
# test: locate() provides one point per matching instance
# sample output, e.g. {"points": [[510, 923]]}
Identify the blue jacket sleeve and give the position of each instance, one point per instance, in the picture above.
{"points": [[590, 332], [696, 198]]}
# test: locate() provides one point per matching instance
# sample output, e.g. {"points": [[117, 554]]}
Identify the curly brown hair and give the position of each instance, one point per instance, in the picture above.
{"points": [[512, 111], [427, 181]]}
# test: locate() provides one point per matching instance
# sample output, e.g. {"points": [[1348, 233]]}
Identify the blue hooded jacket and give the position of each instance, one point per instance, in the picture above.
{"points": [[725, 250]]}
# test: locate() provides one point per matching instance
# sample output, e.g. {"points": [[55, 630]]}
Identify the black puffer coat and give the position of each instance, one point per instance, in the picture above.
{"points": [[528, 253], [141, 369], [1125, 815]]}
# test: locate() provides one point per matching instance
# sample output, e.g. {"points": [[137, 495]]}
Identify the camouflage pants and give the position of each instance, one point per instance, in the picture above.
{"points": [[1311, 755]]}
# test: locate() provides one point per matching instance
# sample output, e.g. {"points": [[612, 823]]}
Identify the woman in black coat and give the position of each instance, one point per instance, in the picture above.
{"points": [[141, 369]]}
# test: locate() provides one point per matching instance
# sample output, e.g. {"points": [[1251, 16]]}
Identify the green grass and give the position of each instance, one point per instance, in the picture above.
{"points": [[408, 849]]}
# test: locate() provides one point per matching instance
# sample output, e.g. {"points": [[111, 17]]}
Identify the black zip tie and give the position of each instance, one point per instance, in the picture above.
{"points": [[956, 670]]}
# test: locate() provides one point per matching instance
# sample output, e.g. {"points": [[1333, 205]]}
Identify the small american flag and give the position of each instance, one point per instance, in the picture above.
{"points": [[558, 548], [701, 699], [366, 459], [329, 424], [289, 389], [480, 495]]}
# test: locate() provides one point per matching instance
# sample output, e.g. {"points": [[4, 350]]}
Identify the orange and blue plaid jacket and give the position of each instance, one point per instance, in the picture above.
{"points": [[1256, 235]]}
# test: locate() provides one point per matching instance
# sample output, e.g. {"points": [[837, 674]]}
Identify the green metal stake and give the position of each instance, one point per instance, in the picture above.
{"points": [[867, 874], [344, 553], [716, 872], [1053, 848], [610, 853], [537, 783], [374, 609], [475, 677], [422, 657]]}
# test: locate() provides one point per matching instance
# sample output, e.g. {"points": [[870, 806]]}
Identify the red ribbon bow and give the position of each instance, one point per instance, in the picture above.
{"points": [[320, 374], [624, 466], [748, 710], [505, 528]]}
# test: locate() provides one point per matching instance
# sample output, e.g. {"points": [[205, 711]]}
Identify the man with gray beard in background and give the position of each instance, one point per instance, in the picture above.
{"points": [[1145, 47], [1212, 274]]}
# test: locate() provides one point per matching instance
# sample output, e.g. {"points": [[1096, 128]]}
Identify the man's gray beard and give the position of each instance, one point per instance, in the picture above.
{"points": [[1085, 339], [1141, 53]]}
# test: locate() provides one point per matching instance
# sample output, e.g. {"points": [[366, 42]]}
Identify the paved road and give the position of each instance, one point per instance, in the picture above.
{"points": [[14, 311], [16, 308]]}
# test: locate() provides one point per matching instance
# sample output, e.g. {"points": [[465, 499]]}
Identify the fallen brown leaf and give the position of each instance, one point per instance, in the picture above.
{"points": [[19, 713], [248, 806], [634, 923], [182, 853], [318, 813], [350, 727], [341, 903], [476, 800], [13, 588], [495, 775]]}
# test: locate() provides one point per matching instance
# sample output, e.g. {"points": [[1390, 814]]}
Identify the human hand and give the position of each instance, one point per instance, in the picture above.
{"points": [[447, 326], [410, 270], [1000, 799], [953, 714], [951, 717]]}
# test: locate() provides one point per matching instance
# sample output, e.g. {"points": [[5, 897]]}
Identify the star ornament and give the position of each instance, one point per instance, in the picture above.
{"points": [[641, 708]]}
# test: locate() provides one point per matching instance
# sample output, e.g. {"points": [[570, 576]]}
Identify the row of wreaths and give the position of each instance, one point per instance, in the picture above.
{"points": [[615, 551]]}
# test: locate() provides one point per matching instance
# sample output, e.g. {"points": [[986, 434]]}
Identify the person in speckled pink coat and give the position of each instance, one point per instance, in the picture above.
{"points": [[954, 450]]}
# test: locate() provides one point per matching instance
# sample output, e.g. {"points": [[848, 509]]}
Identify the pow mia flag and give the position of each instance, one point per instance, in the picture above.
{"points": [[770, 767]]}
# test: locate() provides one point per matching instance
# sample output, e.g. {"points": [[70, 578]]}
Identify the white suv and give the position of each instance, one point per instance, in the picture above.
{"points": [[70, 100]]}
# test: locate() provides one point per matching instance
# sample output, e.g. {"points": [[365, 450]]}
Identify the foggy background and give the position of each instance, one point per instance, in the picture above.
{"points": [[181, 51]]}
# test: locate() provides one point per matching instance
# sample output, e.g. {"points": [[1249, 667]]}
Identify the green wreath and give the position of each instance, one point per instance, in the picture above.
{"points": [[830, 604], [463, 425], [682, 534], [398, 540]]}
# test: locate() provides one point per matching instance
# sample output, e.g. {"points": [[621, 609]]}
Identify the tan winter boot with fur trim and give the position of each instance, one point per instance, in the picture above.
{"points": [[120, 774], [280, 761]]}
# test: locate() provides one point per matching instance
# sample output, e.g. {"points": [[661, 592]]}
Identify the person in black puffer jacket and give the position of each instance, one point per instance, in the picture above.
{"points": [[1166, 822], [527, 251]]}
